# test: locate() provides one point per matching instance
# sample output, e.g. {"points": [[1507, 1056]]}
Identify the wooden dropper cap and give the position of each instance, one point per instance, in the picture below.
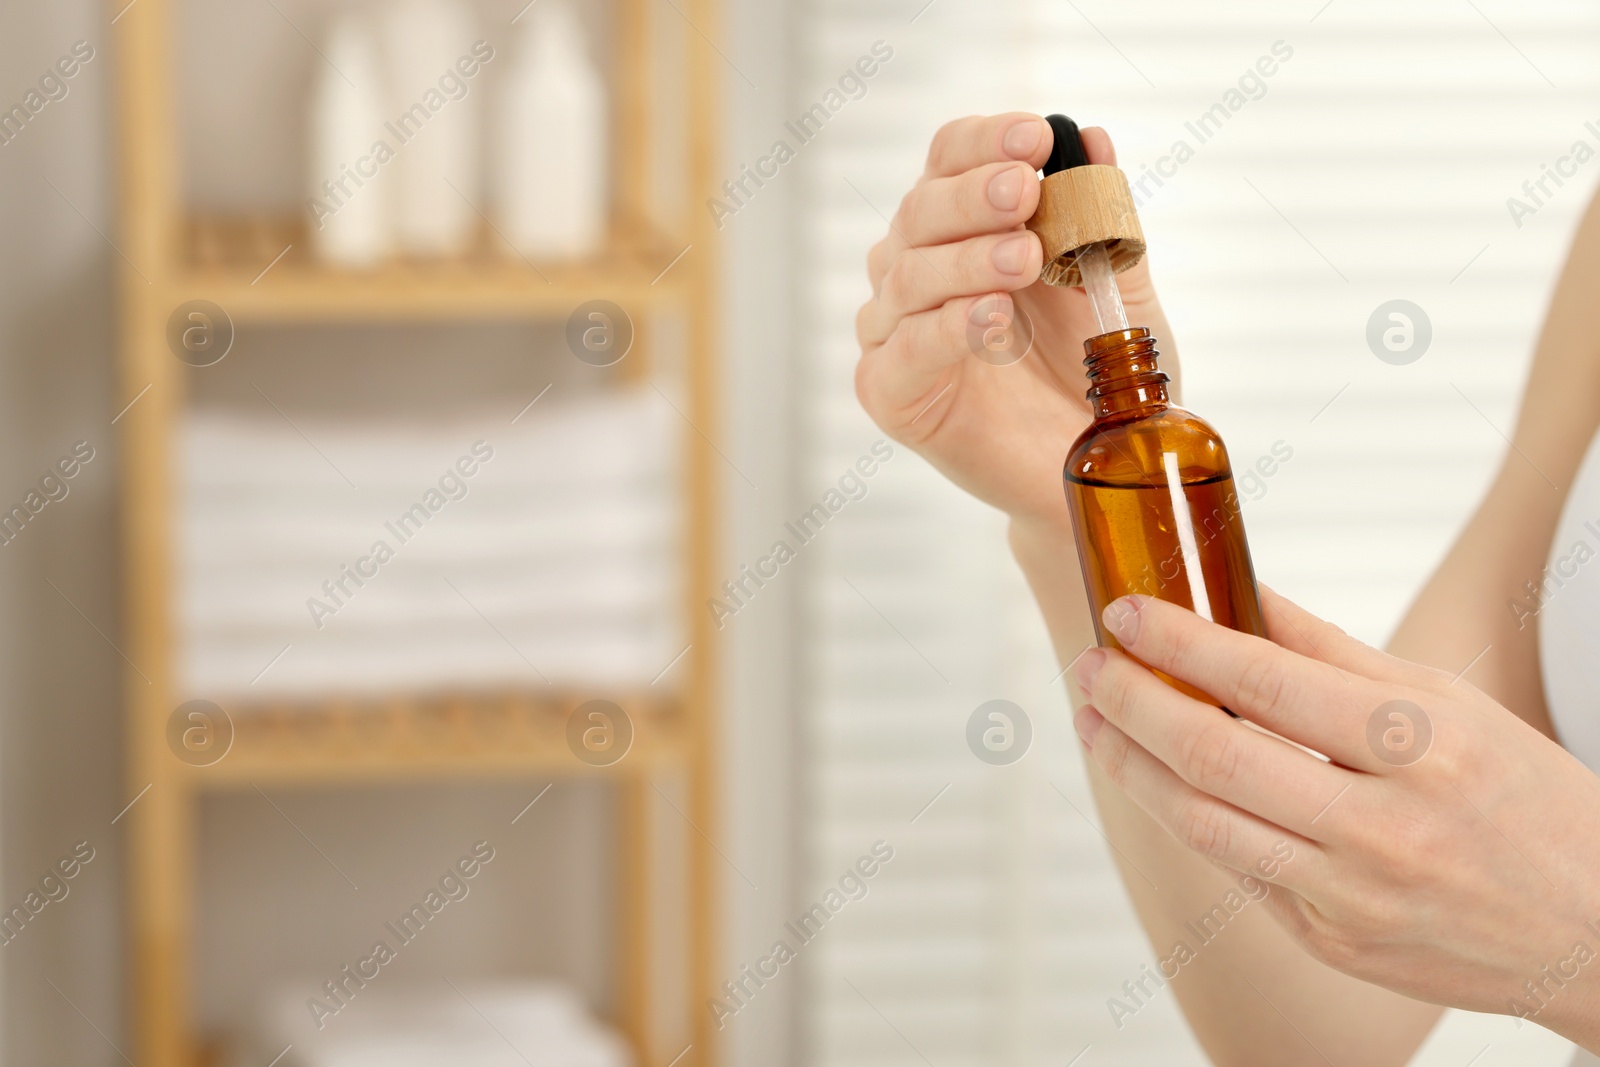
{"points": [[1082, 203]]}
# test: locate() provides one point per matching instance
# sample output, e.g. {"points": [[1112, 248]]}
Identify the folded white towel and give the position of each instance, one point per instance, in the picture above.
{"points": [[501, 1024], [406, 592], [558, 557], [620, 434], [213, 535]]}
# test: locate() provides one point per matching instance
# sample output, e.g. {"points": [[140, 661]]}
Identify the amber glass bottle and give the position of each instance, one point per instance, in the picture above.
{"points": [[1151, 492]]}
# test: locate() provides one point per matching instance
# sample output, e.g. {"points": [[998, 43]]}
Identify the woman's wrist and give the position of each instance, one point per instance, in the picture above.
{"points": [[1047, 552], [1040, 540], [1570, 1001]]}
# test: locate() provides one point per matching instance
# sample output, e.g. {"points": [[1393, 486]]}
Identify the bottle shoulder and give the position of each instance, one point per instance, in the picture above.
{"points": [[1133, 449]]}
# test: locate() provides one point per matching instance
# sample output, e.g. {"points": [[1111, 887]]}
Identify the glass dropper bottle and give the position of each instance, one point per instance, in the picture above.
{"points": [[1148, 483]]}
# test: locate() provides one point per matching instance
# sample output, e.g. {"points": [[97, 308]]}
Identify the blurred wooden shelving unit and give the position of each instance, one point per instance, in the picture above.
{"points": [[225, 259], [416, 739], [259, 270]]}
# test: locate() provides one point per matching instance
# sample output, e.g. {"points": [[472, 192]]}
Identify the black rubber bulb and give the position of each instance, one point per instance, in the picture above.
{"points": [[1066, 151]]}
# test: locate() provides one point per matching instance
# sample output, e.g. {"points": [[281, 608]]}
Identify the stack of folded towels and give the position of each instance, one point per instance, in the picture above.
{"points": [[444, 1024], [324, 557]]}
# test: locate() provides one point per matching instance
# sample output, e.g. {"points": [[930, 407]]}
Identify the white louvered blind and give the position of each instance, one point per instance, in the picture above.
{"points": [[1373, 164]]}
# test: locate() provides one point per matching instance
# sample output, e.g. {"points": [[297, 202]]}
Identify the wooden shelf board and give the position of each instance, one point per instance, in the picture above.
{"points": [[405, 740], [234, 263]]}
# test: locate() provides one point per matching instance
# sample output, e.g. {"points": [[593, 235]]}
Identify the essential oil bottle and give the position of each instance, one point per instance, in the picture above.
{"points": [[1154, 510]]}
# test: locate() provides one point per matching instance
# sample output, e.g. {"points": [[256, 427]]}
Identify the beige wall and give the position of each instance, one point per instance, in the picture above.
{"points": [[59, 776]]}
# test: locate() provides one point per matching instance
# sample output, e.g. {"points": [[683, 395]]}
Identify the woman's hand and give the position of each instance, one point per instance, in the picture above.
{"points": [[1449, 851], [955, 264]]}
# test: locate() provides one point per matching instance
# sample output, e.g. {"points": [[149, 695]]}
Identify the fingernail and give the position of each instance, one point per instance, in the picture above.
{"points": [[1020, 140], [1011, 255], [1087, 721], [1121, 617], [1089, 665], [1005, 189]]}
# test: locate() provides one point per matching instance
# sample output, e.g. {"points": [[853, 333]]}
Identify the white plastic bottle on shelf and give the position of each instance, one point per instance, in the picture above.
{"points": [[350, 221], [433, 125], [551, 149]]}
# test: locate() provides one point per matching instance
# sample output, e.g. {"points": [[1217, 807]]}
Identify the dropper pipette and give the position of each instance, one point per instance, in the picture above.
{"points": [[1088, 224], [1100, 285]]}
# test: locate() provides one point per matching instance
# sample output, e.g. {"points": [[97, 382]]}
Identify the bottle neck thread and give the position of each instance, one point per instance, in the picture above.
{"points": [[1123, 375]]}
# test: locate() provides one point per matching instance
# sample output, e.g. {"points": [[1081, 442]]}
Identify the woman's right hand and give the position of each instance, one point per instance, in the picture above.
{"points": [[955, 263]]}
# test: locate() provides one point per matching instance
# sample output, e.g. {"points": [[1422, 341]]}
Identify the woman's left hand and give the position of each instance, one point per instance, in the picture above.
{"points": [[1448, 851]]}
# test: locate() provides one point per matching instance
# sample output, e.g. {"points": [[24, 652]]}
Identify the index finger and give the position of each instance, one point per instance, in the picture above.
{"points": [[1295, 628], [1305, 700], [978, 139]]}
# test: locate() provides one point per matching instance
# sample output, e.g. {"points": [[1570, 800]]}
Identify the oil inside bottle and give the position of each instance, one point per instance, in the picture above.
{"points": [[1182, 544]]}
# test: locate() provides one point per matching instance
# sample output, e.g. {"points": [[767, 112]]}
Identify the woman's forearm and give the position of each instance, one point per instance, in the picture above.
{"points": [[1465, 619], [1224, 981]]}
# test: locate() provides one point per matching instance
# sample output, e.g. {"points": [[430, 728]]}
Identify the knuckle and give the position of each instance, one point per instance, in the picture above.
{"points": [[953, 321], [1327, 939], [866, 398], [913, 208], [1447, 760], [1209, 758], [877, 261], [1203, 827], [1262, 685], [971, 200], [941, 150], [867, 388], [1295, 915], [1160, 643], [897, 282], [1114, 755], [863, 321], [972, 260], [1111, 691]]}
